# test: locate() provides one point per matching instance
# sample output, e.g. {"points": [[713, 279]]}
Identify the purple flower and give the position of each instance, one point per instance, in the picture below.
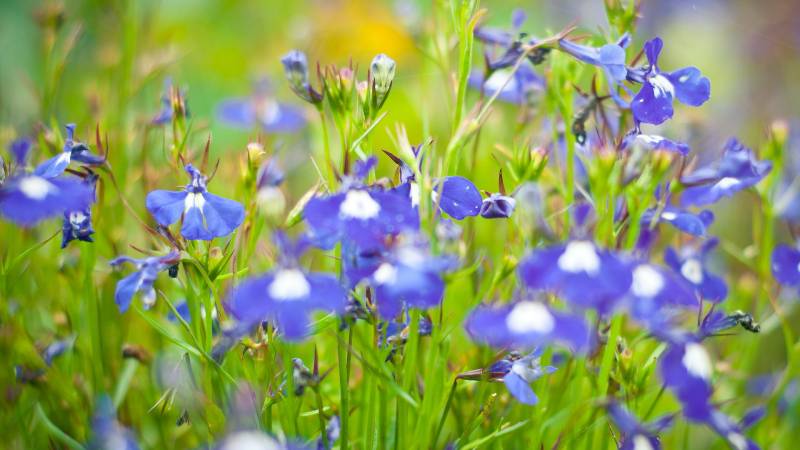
{"points": [[691, 264], [108, 433], [28, 199], [286, 295], [295, 65], [205, 216], [21, 149], [261, 109], [361, 215], [171, 98], [408, 276], [78, 223], [458, 197], [73, 151], [653, 142], [142, 279], [498, 206], [527, 324], [57, 349], [517, 373], [583, 274], [609, 57], [737, 170], [653, 103], [637, 435], [655, 291], [688, 222], [786, 265], [518, 90]]}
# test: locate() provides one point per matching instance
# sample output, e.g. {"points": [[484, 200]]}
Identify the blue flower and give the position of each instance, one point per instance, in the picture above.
{"points": [[57, 349], [786, 265], [516, 372], [261, 109], [73, 151], [686, 221], [653, 103], [286, 295], [609, 57], [518, 90], [408, 276], [691, 264], [78, 223], [458, 197], [28, 199], [364, 216], [637, 435], [653, 142], [108, 433], [583, 274], [498, 206], [172, 99], [205, 216], [142, 279], [527, 324], [655, 291], [21, 149], [737, 170], [295, 65]]}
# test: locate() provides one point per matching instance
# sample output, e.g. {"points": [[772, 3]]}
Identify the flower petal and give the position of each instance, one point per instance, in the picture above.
{"points": [[691, 87], [166, 206]]}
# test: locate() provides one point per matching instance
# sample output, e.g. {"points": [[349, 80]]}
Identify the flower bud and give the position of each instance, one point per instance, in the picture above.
{"points": [[295, 65], [382, 71]]}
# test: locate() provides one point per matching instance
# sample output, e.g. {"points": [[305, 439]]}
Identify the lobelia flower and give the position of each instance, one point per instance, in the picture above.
{"points": [[653, 142], [58, 348], [73, 151], [786, 265], [637, 435], [78, 223], [517, 373], [609, 57], [518, 90], [738, 169], [173, 100], [142, 279], [585, 275], [686, 370], [655, 291], [457, 197], [691, 264], [408, 276], [286, 295], [686, 221], [205, 216], [497, 206], [28, 198], [262, 110], [359, 214], [108, 433], [20, 150], [653, 103], [527, 324]]}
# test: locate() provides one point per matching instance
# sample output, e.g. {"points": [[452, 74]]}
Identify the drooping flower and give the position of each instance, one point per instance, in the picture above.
{"points": [[78, 223], [359, 214], [205, 216], [691, 264], [142, 279], [653, 103], [786, 265], [287, 295], [173, 100], [635, 434], [517, 373], [261, 110], [738, 169], [28, 199], [295, 65], [585, 275], [73, 151], [527, 324], [498, 206]]}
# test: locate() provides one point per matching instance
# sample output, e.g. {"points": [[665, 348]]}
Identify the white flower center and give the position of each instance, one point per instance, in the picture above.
{"points": [[358, 204], [641, 442], [496, 81], [76, 217], [647, 282], [738, 441], [727, 182], [35, 188], [386, 274], [669, 215], [696, 361], [527, 317], [662, 86], [692, 270], [250, 440], [193, 200], [289, 284], [413, 192], [579, 256]]}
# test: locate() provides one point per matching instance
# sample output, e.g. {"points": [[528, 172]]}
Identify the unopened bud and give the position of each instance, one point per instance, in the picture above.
{"points": [[382, 70]]}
